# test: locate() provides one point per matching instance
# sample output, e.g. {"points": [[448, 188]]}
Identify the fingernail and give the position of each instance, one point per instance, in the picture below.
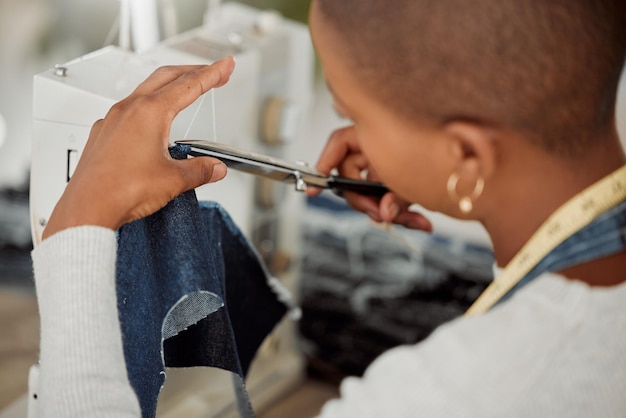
{"points": [[219, 172], [394, 210]]}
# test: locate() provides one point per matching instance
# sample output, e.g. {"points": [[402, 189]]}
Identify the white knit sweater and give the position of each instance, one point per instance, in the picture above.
{"points": [[556, 349]]}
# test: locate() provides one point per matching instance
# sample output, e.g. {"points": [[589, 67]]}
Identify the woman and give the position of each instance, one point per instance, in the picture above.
{"points": [[500, 112]]}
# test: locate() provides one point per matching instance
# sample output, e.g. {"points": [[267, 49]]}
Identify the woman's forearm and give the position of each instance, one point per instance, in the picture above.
{"points": [[82, 368]]}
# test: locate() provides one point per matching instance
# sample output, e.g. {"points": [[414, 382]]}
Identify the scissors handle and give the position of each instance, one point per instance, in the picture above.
{"points": [[369, 188]]}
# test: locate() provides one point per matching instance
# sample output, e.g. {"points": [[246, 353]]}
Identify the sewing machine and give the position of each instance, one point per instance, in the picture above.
{"points": [[263, 108]]}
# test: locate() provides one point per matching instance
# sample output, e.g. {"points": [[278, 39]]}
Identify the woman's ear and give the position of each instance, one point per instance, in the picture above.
{"points": [[474, 147]]}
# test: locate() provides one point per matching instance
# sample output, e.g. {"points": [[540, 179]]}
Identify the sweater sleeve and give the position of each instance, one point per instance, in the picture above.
{"points": [[82, 367]]}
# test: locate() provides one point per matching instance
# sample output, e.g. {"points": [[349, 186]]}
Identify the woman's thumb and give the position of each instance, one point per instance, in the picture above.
{"points": [[201, 170]]}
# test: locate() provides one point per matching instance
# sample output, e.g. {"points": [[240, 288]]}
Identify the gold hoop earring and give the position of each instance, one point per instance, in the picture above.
{"points": [[466, 203]]}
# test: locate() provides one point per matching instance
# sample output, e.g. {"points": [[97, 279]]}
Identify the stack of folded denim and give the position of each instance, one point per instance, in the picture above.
{"points": [[364, 291]]}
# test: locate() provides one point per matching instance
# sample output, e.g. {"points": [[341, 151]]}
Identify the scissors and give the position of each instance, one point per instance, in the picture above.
{"points": [[300, 174]]}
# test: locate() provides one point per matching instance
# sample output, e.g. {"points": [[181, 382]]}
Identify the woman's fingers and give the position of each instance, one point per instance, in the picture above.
{"points": [[353, 165], [341, 152], [413, 220], [365, 204], [393, 209], [341, 143], [188, 87], [163, 76], [198, 171]]}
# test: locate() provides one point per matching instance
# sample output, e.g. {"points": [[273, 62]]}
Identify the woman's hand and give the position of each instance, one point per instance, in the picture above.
{"points": [[125, 172], [342, 152]]}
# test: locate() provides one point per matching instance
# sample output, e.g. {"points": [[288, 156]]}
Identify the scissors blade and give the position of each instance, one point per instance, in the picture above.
{"points": [[280, 170], [260, 165]]}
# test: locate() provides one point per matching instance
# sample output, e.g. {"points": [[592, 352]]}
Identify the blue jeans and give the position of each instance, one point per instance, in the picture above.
{"points": [[191, 292], [604, 236]]}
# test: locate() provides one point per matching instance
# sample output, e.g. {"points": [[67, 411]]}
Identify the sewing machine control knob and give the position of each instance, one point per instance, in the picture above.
{"points": [[280, 120]]}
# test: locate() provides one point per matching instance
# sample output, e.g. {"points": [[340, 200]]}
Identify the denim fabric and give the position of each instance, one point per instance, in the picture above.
{"points": [[604, 236], [191, 292]]}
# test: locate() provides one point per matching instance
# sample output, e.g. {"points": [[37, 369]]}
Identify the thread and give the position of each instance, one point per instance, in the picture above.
{"points": [[214, 119], [195, 115], [387, 227]]}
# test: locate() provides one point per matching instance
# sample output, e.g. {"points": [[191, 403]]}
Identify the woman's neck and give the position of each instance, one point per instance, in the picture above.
{"points": [[536, 185]]}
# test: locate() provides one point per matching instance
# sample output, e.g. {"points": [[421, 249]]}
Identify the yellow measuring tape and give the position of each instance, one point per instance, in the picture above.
{"points": [[578, 212]]}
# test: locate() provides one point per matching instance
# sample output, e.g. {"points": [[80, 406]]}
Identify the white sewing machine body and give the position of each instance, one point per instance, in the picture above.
{"points": [[262, 108]]}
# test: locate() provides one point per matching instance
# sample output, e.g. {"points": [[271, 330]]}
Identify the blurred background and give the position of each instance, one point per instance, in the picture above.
{"points": [[362, 288]]}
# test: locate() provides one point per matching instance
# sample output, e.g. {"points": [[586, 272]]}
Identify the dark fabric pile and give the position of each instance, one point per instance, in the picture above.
{"points": [[364, 292], [16, 269]]}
